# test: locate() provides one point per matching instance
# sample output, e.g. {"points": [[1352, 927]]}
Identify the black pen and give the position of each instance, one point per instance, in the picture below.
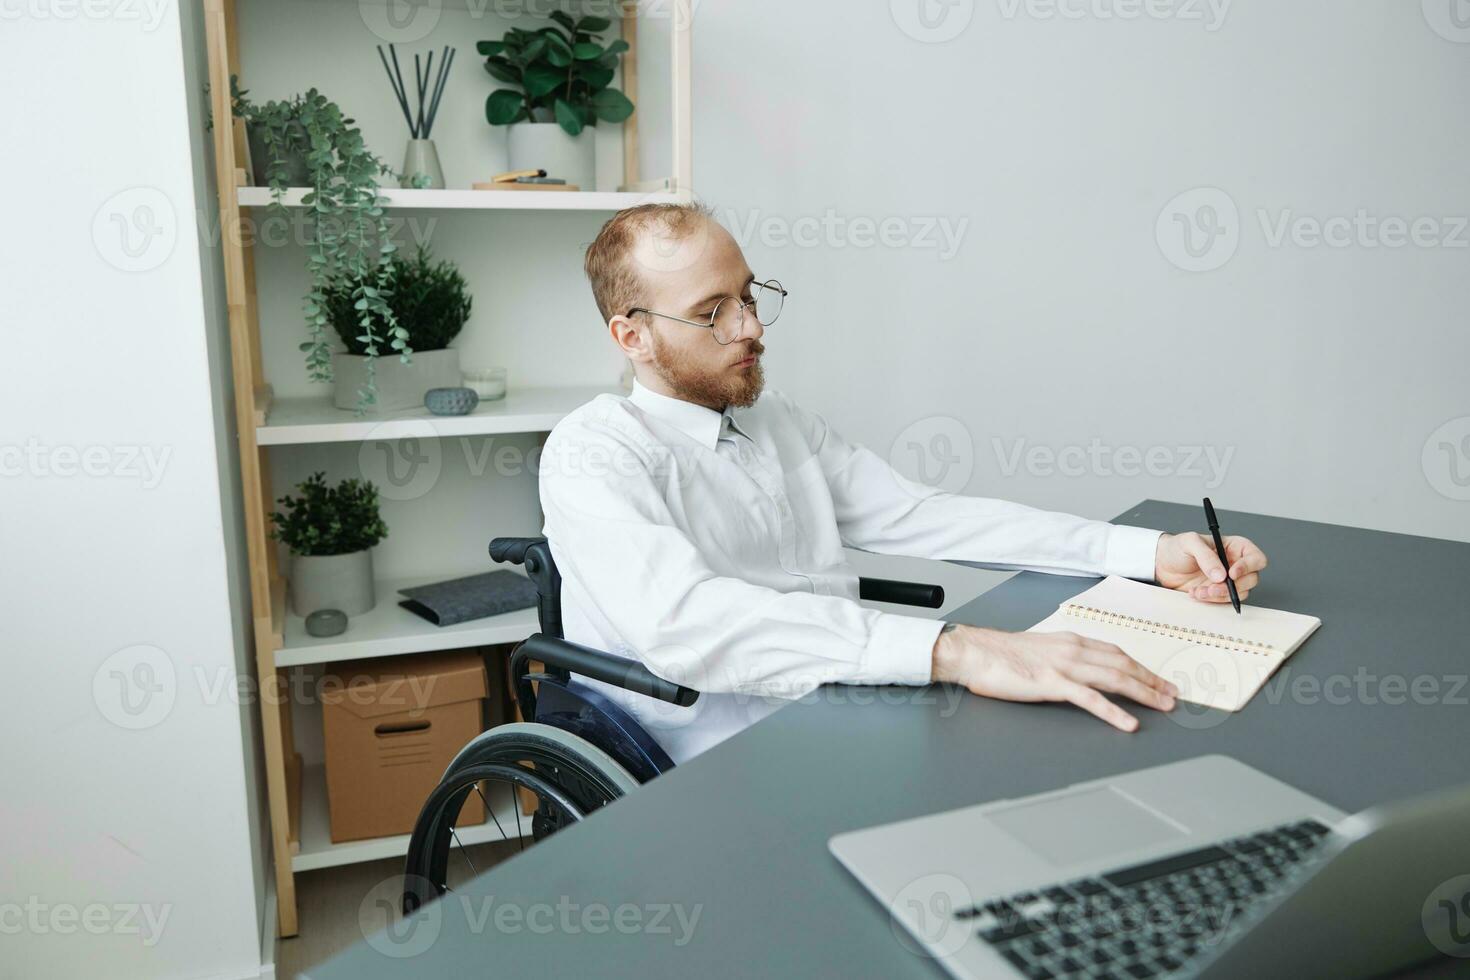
{"points": [[1220, 550]]}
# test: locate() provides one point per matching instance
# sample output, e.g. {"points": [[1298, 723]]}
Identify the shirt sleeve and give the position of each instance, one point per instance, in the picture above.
{"points": [[880, 510], [611, 529]]}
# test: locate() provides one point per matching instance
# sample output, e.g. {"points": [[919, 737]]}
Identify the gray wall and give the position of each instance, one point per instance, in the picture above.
{"points": [[1319, 377]]}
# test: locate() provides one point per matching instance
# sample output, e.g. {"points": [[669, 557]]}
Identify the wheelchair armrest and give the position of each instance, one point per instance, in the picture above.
{"points": [[905, 593], [567, 657]]}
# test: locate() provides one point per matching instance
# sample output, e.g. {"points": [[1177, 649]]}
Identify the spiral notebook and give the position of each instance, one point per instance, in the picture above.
{"points": [[1214, 656]]}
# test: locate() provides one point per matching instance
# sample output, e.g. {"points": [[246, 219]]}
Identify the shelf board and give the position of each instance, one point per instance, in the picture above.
{"points": [[459, 199], [388, 629], [298, 421], [316, 849]]}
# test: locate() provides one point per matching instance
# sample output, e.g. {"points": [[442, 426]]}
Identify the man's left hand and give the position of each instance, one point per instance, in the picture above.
{"points": [[1188, 563]]}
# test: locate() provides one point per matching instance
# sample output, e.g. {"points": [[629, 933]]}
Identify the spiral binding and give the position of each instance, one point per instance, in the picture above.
{"points": [[1199, 637]]}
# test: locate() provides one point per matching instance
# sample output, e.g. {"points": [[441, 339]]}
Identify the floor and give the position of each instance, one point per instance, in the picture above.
{"points": [[337, 907]]}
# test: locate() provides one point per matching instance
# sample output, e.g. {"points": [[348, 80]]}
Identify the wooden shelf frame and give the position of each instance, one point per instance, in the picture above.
{"points": [[258, 413]]}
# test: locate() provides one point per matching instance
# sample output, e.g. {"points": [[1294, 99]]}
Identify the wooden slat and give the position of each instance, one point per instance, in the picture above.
{"points": [[630, 89], [219, 24]]}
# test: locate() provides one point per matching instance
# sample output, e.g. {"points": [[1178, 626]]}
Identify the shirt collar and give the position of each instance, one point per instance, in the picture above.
{"points": [[701, 424]]}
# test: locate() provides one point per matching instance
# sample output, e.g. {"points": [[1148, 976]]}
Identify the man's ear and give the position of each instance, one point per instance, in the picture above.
{"points": [[631, 339]]}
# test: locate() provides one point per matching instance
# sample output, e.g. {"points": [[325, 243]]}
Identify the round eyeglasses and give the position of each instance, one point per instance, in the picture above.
{"points": [[727, 320]]}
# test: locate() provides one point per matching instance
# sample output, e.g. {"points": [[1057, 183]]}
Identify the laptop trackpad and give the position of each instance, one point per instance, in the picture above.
{"points": [[1081, 826]]}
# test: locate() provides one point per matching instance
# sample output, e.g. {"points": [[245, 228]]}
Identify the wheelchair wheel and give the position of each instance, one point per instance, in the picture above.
{"points": [[569, 776]]}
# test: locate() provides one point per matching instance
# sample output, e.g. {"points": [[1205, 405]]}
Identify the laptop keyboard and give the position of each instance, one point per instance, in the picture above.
{"points": [[1147, 920]]}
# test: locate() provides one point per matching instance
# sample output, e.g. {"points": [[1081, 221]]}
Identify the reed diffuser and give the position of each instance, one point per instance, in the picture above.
{"points": [[421, 161]]}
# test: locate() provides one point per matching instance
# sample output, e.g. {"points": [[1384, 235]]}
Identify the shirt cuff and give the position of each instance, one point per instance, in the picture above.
{"points": [[900, 650], [1132, 552]]}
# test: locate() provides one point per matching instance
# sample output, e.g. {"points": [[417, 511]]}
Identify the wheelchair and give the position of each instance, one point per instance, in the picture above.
{"points": [[575, 749]]}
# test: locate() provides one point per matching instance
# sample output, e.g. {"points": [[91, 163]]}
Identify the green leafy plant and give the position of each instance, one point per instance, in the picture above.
{"points": [[560, 75], [327, 520], [349, 233], [429, 300]]}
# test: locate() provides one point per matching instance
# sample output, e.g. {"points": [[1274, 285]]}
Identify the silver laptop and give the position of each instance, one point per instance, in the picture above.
{"points": [[1201, 868]]}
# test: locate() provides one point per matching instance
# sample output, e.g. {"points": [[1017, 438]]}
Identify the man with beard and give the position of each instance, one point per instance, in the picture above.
{"points": [[699, 523]]}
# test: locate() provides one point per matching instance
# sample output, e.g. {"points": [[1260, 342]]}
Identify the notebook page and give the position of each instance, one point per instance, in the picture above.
{"points": [[1213, 656]]}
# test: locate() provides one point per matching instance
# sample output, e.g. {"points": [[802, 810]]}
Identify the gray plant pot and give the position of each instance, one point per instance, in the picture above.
{"points": [[546, 145], [297, 174], [342, 582], [400, 385]]}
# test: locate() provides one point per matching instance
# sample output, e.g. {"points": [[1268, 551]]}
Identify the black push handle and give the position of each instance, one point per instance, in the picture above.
{"points": [[905, 593], [535, 555], [563, 656]]}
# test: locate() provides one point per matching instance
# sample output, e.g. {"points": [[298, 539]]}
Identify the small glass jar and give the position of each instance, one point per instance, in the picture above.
{"points": [[488, 383]]}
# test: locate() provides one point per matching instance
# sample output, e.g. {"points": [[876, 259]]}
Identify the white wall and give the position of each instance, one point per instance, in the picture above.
{"points": [[130, 822], [1057, 143]]}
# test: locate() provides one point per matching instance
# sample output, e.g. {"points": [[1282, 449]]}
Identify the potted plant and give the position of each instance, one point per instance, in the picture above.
{"points": [[561, 75], [348, 226], [329, 532], [430, 303]]}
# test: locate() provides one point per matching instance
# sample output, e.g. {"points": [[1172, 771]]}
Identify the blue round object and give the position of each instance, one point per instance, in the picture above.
{"points": [[451, 401]]}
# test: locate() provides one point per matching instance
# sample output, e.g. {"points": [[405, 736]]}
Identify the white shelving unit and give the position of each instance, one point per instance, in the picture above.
{"points": [[389, 629], [316, 850], [296, 791], [299, 421], [463, 200]]}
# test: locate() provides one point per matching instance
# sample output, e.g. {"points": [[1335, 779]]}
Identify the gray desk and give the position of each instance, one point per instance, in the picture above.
{"points": [[740, 834]]}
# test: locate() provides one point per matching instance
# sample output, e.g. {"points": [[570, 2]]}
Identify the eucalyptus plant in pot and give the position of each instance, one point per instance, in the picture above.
{"points": [[329, 532], [308, 141], [561, 75], [430, 304]]}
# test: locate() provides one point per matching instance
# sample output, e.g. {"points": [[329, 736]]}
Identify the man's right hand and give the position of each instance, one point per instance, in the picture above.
{"points": [[1049, 667]]}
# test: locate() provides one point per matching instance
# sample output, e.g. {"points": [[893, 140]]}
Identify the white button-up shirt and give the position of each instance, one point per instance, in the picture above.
{"points": [[709, 545]]}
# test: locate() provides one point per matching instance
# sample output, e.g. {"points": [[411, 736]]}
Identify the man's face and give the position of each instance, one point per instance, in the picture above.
{"points": [[686, 277]]}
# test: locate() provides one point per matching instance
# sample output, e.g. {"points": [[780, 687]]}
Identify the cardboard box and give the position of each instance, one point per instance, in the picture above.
{"points": [[390, 727]]}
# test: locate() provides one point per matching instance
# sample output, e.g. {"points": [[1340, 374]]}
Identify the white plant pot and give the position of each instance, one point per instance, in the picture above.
{"points": [[400, 385], [342, 582], [533, 145]]}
